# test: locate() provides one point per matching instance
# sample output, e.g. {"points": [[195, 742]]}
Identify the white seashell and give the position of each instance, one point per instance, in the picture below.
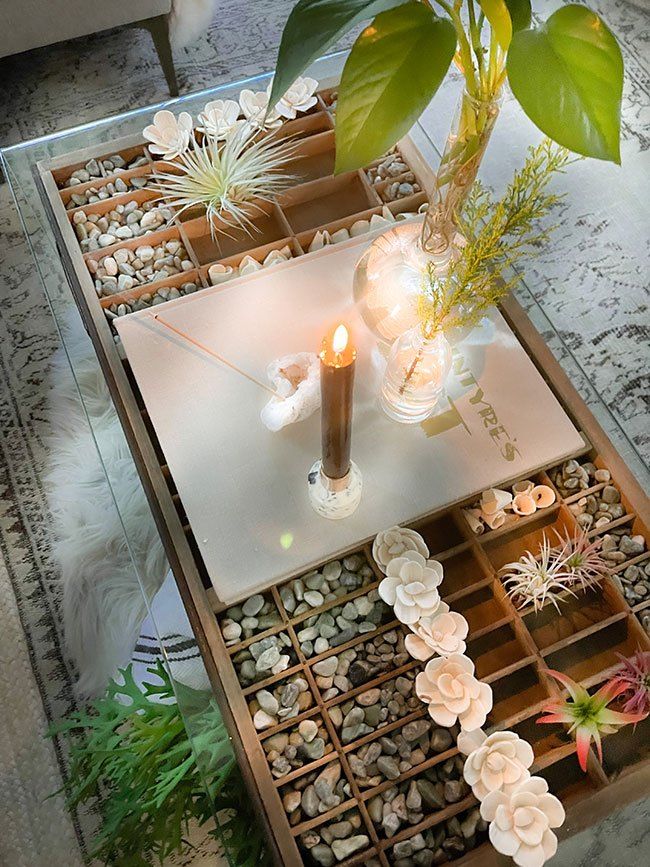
{"points": [[339, 235], [494, 500], [494, 520], [286, 251], [296, 379], [525, 486], [473, 518], [359, 227], [378, 222], [167, 135], [405, 215], [248, 265], [523, 504], [220, 273], [424, 207], [543, 496], [273, 258], [320, 240], [387, 214]]}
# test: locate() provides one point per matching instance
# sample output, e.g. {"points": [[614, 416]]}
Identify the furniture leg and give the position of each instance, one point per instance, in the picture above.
{"points": [[159, 29]]}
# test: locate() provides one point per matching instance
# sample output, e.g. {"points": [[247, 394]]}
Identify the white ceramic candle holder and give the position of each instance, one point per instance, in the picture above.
{"points": [[334, 498]]}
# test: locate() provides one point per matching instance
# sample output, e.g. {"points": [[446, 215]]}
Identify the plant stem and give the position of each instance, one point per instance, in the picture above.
{"points": [[464, 48], [476, 38]]}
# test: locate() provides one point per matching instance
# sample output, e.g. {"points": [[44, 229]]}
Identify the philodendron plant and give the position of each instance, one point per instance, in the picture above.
{"points": [[566, 73]]}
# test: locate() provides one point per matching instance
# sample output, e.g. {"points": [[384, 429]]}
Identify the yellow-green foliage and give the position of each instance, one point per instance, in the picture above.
{"points": [[499, 235]]}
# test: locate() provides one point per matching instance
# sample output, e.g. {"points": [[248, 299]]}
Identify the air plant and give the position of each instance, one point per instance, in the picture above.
{"points": [[228, 178], [588, 715], [634, 676], [582, 559], [537, 580]]}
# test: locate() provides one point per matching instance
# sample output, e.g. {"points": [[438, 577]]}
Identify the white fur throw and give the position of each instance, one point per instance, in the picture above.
{"points": [[188, 19], [103, 606]]}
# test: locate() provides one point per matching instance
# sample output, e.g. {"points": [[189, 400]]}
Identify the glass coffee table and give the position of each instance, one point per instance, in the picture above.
{"points": [[19, 163]]}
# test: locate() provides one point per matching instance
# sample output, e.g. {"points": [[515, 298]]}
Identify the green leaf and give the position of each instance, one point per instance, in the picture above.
{"points": [[395, 67], [520, 14], [498, 16], [568, 78], [312, 27]]}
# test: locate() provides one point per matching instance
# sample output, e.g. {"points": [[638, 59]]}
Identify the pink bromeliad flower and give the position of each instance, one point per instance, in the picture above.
{"points": [[588, 715], [634, 676]]}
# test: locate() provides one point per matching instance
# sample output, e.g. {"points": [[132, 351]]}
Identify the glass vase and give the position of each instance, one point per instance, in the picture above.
{"points": [[389, 276], [415, 375]]}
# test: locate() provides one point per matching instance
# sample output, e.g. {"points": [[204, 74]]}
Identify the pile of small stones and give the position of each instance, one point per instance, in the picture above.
{"points": [[263, 658], [130, 220], [442, 843], [400, 189], [280, 702], [315, 793], [634, 581], [112, 165], [376, 707], [336, 579], [108, 191], [409, 801], [123, 269], [355, 666], [254, 615], [391, 756], [149, 299], [334, 627], [337, 840], [391, 166], [593, 510], [289, 750]]}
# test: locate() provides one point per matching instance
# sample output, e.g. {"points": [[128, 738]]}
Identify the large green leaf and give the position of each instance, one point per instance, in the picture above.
{"points": [[520, 14], [312, 27], [498, 15], [395, 67], [568, 78]]}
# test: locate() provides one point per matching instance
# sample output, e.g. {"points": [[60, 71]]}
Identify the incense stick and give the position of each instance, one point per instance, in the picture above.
{"points": [[216, 355]]}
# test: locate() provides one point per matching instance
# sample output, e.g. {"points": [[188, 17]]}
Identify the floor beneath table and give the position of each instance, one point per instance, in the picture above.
{"points": [[72, 83]]}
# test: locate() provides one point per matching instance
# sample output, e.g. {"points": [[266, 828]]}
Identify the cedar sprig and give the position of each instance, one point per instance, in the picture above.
{"points": [[499, 235]]}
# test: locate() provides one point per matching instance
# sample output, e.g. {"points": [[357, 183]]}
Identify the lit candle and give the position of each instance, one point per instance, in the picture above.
{"points": [[337, 363]]}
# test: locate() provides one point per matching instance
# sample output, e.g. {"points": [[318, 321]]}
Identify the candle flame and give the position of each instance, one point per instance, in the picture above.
{"points": [[340, 339]]}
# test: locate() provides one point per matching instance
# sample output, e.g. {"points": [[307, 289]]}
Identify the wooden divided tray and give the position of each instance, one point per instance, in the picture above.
{"points": [[307, 768]]}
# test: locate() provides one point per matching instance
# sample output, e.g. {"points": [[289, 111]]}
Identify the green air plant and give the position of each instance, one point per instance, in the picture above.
{"points": [[566, 72], [132, 754], [498, 235], [227, 178]]}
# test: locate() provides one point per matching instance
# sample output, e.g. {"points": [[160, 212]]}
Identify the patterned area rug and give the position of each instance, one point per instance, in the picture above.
{"points": [[601, 318]]}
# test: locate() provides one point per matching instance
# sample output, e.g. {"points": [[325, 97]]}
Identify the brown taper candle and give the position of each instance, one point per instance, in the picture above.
{"points": [[337, 363]]}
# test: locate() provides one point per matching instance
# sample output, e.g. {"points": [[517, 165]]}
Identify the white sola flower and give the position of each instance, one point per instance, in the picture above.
{"points": [[521, 822], [395, 542], [168, 136], [255, 105], [219, 118], [495, 763], [410, 586], [452, 693], [443, 633], [299, 98]]}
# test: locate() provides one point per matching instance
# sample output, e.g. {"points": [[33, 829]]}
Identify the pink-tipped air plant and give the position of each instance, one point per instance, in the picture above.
{"points": [[634, 676], [587, 715], [581, 558]]}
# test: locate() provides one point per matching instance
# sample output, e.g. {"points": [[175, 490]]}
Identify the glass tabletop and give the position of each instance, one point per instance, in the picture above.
{"points": [[550, 312]]}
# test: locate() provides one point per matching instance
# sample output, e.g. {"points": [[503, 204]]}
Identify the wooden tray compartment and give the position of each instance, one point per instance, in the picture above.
{"points": [[269, 227], [628, 747], [323, 201], [314, 158]]}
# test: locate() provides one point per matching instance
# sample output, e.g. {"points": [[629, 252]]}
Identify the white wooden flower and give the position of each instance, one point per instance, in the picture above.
{"points": [[219, 118], [299, 98], [521, 822], [410, 586], [169, 136], [449, 687], [395, 542], [495, 763], [443, 633], [254, 105]]}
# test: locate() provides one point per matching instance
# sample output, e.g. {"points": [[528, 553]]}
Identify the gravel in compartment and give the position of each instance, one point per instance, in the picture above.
{"points": [[376, 707], [113, 188], [256, 614], [151, 299], [328, 844], [263, 658], [442, 843], [294, 748], [337, 578], [315, 793], [281, 701], [389, 757], [342, 623], [102, 168], [125, 221], [123, 269], [408, 802]]}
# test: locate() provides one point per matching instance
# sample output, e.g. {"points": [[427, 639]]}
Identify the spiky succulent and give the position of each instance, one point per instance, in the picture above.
{"points": [[228, 178], [581, 558], [634, 676], [536, 580], [587, 715]]}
